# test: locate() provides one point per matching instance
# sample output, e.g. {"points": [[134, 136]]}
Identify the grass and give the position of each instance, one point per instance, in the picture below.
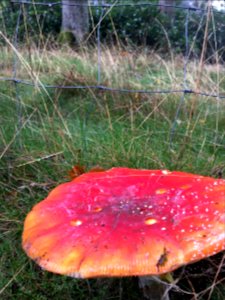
{"points": [[43, 133]]}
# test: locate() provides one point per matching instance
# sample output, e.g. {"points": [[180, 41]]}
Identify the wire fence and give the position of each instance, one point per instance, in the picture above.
{"points": [[183, 91]]}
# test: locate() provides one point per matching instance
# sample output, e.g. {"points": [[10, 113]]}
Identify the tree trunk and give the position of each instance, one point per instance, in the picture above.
{"points": [[75, 19], [169, 10]]}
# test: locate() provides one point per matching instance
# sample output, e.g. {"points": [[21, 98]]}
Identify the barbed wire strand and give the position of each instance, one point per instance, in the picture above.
{"points": [[111, 89], [108, 5]]}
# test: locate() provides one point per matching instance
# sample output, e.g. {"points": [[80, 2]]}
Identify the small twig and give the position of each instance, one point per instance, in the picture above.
{"points": [[192, 288], [39, 159], [16, 134], [216, 276], [204, 45], [13, 278], [202, 58], [11, 221]]}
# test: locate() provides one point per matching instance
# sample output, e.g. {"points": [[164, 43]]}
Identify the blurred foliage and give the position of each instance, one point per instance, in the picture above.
{"points": [[34, 20], [126, 25]]}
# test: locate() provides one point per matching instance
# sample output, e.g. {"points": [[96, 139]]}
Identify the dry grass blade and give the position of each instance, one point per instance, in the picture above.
{"points": [[13, 278]]}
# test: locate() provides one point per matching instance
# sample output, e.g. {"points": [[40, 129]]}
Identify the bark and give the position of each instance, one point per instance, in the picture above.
{"points": [[75, 19], [168, 10]]}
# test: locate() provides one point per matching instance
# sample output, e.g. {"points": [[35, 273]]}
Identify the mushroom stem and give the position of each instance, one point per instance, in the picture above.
{"points": [[154, 288]]}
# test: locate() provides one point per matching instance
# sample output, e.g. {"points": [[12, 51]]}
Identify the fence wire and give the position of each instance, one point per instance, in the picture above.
{"points": [[104, 6], [109, 5]]}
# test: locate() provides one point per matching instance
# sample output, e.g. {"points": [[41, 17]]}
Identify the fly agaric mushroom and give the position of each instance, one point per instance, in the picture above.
{"points": [[125, 222]]}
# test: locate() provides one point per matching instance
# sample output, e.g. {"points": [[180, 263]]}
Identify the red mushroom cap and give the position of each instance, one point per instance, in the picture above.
{"points": [[127, 222]]}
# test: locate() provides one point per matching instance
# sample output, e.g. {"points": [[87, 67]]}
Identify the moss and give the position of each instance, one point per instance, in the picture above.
{"points": [[66, 38]]}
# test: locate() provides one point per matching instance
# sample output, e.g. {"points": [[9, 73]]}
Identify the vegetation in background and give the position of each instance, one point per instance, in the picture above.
{"points": [[123, 25]]}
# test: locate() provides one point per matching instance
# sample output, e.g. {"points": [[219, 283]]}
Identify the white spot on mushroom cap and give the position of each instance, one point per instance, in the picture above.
{"points": [[150, 221], [76, 222], [163, 228], [166, 172]]}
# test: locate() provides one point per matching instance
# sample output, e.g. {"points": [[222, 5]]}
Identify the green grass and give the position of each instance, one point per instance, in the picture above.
{"points": [[48, 132]]}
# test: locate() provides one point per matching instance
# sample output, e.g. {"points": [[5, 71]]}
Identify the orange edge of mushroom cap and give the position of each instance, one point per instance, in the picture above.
{"points": [[125, 222]]}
